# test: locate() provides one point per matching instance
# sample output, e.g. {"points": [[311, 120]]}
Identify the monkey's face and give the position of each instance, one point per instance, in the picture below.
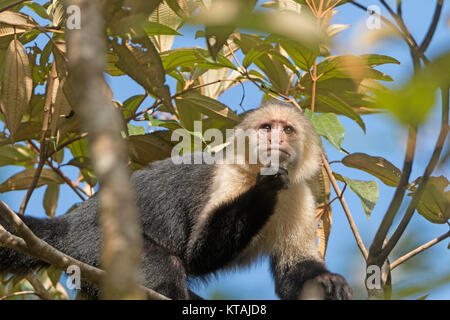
{"points": [[277, 139], [283, 134]]}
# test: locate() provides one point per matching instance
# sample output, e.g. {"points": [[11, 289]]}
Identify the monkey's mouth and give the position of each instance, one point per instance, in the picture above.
{"points": [[280, 153]]}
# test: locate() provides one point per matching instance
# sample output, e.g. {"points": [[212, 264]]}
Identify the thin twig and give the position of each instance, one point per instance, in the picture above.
{"points": [[243, 71], [39, 287], [429, 169], [18, 293], [28, 243], [399, 194], [139, 104], [418, 250], [437, 13], [401, 23], [66, 179], [314, 83], [345, 207], [155, 105], [65, 144], [399, 8], [384, 19], [43, 142]]}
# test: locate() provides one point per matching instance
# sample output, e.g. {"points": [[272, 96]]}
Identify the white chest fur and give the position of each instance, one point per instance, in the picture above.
{"points": [[290, 232]]}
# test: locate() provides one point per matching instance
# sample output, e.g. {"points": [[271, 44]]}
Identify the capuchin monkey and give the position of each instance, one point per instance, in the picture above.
{"points": [[198, 219]]}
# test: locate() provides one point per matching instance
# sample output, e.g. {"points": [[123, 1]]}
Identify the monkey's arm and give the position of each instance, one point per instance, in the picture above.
{"points": [[231, 226]]}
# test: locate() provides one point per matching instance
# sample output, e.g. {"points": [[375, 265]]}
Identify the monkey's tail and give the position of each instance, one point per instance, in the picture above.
{"points": [[12, 261]]}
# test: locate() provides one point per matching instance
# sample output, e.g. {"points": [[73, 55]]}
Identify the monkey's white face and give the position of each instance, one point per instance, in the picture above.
{"points": [[278, 139], [288, 136]]}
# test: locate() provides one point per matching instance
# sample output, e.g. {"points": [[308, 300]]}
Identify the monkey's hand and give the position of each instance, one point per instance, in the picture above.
{"points": [[334, 285], [276, 181]]}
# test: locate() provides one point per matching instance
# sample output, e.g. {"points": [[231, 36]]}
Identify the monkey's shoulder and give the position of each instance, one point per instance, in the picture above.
{"points": [[182, 169]]}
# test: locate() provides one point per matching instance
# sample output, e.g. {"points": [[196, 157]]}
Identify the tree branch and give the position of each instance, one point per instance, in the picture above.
{"points": [[31, 245], [18, 293], [121, 230], [418, 250], [38, 287], [68, 142], [397, 199], [401, 23], [437, 13], [384, 19], [43, 142], [61, 174], [345, 207], [429, 169]]}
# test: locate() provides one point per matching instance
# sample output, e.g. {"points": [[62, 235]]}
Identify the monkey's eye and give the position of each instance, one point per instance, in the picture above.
{"points": [[288, 129], [266, 127]]}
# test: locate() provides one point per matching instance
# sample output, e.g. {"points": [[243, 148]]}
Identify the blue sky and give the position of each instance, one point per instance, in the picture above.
{"points": [[384, 137]]}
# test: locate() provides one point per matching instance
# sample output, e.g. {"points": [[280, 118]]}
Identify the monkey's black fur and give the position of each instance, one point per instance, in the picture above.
{"points": [[290, 278], [170, 198]]}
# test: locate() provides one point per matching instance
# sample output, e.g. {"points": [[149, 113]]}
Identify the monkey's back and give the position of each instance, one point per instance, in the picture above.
{"points": [[170, 196]]}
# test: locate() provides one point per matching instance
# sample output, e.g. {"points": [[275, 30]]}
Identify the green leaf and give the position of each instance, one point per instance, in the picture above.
{"points": [[110, 66], [23, 179], [169, 124], [134, 61], [434, 205], [193, 58], [80, 162], [153, 28], [275, 71], [378, 59], [26, 130], [131, 104], [144, 149], [80, 148], [412, 103], [367, 191], [54, 275], [5, 3], [301, 27], [255, 53], [17, 85], [302, 56], [328, 126], [51, 199], [137, 26], [135, 130], [376, 166], [347, 66], [334, 29], [208, 106], [58, 156], [216, 37], [38, 9], [44, 59], [16, 155], [342, 107]]}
